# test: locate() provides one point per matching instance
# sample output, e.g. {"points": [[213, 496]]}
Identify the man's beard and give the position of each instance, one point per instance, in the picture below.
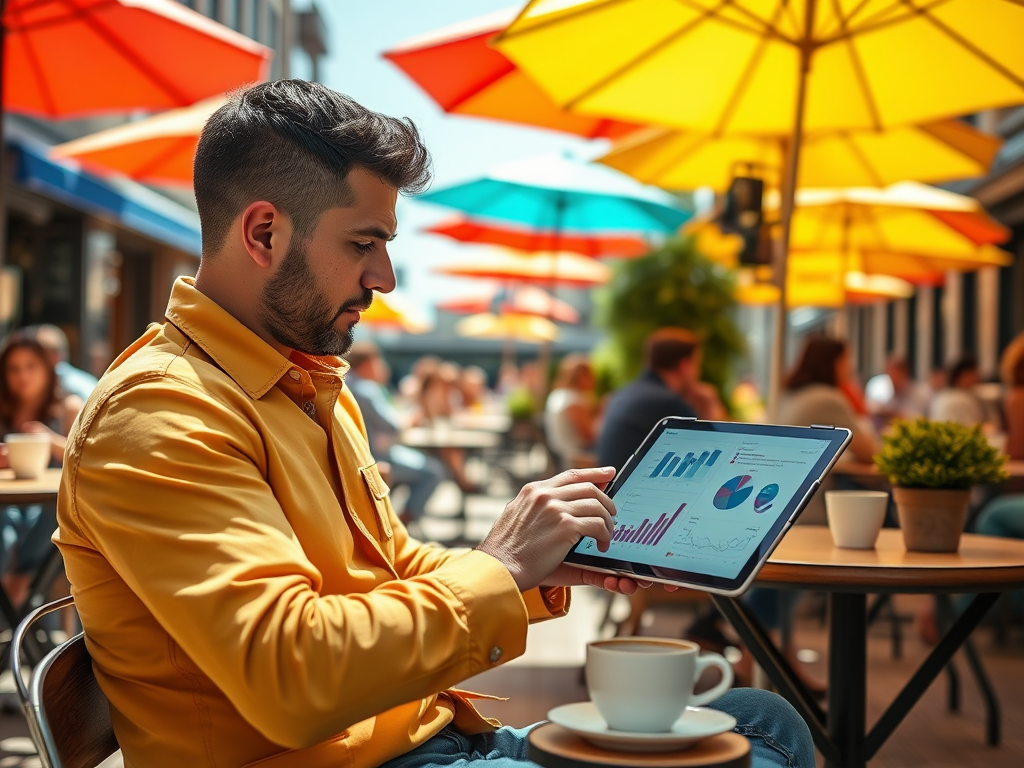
{"points": [[300, 316]]}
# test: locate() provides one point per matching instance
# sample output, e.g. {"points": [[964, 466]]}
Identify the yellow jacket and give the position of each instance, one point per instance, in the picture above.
{"points": [[247, 592]]}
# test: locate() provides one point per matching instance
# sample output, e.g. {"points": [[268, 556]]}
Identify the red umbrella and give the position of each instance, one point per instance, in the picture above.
{"points": [[65, 58], [526, 300], [523, 239], [464, 75]]}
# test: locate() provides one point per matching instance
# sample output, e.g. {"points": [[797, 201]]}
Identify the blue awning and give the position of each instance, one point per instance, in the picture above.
{"points": [[132, 205]]}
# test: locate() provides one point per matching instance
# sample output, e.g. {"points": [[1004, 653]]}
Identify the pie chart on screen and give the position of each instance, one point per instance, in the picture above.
{"points": [[765, 497], [734, 492]]}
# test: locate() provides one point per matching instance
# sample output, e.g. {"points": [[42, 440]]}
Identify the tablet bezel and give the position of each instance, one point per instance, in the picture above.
{"points": [[838, 438]]}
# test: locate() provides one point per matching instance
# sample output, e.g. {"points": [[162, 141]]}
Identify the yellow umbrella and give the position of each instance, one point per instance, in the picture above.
{"points": [[567, 269], [508, 326], [676, 159], [827, 290], [393, 311], [782, 67], [156, 150]]}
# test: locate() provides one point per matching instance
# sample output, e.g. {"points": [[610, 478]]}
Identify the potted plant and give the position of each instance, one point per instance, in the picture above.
{"points": [[932, 466]]}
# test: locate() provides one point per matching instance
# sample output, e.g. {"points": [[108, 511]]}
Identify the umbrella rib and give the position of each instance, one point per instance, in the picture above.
{"points": [[847, 139], [748, 74], [508, 33], [118, 45], [862, 77], [679, 157], [37, 69], [972, 48]]}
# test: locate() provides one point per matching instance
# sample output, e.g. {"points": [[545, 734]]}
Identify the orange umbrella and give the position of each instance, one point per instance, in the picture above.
{"points": [[568, 269], [67, 58], [157, 150], [464, 75], [523, 239], [526, 300]]}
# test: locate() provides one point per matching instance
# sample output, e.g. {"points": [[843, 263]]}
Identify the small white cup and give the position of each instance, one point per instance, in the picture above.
{"points": [[855, 517], [644, 684], [28, 454]]}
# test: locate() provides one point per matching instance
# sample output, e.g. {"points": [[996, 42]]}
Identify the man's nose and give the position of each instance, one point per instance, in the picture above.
{"points": [[380, 275]]}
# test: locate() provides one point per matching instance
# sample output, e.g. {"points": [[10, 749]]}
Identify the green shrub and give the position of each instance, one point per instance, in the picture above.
{"points": [[939, 454], [520, 404]]}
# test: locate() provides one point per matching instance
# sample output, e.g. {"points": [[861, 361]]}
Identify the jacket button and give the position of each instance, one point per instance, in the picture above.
{"points": [[495, 656], [295, 374]]}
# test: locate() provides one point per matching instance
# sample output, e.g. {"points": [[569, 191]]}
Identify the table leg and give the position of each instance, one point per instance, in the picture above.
{"points": [[778, 670], [847, 678], [927, 672], [946, 614]]}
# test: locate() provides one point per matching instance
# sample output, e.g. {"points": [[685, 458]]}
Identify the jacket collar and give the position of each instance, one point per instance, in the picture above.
{"points": [[250, 361]]}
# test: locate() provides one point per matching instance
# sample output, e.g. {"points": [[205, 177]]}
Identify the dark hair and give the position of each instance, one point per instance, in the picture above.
{"points": [[22, 340], [959, 368], [667, 347], [292, 143], [1017, 373], [817, 364]]}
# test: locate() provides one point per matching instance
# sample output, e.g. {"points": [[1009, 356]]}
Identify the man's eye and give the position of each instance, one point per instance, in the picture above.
{"points": [[364, 247]]}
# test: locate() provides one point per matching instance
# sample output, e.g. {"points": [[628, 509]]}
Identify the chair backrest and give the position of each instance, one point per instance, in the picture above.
{"points": [[67, 713]]}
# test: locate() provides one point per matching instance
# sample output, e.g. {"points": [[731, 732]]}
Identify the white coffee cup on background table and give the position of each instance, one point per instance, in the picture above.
{"points": [[28, 454], [855, 517], [644, 684]]}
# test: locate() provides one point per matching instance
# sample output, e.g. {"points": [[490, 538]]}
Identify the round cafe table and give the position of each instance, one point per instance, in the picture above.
{"points": [[806, 559]]}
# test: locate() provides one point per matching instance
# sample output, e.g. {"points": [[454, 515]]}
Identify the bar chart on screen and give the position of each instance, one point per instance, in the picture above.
{"points": [[692, 466], [648, 533]]}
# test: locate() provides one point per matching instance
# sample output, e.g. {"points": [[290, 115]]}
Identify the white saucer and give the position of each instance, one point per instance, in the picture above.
{"points": [[695, 724]]}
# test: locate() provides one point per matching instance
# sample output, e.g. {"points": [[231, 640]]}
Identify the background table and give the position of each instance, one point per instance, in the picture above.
{"points": [[861, 469], [42, 490], [806, 559]]}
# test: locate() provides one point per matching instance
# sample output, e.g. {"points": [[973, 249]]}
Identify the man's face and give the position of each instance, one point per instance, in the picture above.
{"points": [[313, 300]]}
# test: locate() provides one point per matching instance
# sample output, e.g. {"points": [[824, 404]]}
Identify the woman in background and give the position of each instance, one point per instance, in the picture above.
{"points": [[570, 414], [31, 401]]}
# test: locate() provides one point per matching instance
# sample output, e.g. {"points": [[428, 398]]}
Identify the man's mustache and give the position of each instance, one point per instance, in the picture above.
{"points": [[358, 305]]}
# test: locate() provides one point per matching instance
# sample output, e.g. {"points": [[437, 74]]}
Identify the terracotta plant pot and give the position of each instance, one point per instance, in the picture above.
{"points": [[931, 520]]}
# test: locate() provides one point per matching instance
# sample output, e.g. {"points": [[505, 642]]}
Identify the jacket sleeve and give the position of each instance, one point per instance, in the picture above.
{"points": [[192, 526]]}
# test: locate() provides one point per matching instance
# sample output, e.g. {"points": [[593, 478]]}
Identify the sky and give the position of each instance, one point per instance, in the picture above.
{"points": [[358, 31]]}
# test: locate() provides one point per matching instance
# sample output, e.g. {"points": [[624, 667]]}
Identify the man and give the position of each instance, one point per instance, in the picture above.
{"points": [[670, 385], [366, 380], [74, 381], [910, 399], [247, 592]]}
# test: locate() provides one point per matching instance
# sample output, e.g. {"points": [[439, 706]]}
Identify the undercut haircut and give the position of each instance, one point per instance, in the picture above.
{"points": [[666, 348], [293, 143]]}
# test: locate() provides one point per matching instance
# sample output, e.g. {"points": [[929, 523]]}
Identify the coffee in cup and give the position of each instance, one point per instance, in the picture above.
{"points": [[644, 684], [28, 454], [855, 517]]}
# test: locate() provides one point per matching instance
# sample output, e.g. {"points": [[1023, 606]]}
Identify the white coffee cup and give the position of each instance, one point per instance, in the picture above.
{"points": [[855, 517], [28, 454], [644, 684]]}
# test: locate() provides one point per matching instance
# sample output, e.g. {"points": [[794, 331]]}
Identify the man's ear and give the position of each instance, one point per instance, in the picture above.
{"points": [[266, 232]]}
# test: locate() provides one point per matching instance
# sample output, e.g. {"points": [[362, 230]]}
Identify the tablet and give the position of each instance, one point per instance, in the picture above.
{"points": [[702, 504]]}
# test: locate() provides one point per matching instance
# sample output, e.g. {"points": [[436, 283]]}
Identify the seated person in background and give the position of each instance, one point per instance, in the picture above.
{"points": [[435, 407], [410, 384], [73, 381], [30, 401], [910, 399], [812, 395], [367, 379], [472, 386], [1014, 411], [958, 401], [248, 595], [570, 414], [670, 385]]}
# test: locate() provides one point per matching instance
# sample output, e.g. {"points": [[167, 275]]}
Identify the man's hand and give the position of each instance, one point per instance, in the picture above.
{"points": [[541, 524]]}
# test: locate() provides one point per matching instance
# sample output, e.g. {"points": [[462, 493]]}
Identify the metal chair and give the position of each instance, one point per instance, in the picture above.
{"points": [[67, 714]]}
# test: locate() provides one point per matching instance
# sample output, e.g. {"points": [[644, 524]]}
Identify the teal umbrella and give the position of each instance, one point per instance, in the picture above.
{"points": [[559, 194]]}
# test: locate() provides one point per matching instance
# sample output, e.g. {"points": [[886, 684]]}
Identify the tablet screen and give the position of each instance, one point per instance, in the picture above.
{"points": [[703, 502]]}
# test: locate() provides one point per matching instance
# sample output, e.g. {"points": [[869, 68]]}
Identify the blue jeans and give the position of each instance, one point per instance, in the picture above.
{"points": [[420, 472], [778, 737]]}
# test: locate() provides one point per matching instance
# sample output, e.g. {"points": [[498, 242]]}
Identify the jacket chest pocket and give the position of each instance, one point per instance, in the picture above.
{"points": [[378, 492]]}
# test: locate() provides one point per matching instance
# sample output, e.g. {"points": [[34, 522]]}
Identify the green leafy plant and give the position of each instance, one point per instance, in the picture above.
{"points": [[939, 454], [675, 285], [521, 406]]}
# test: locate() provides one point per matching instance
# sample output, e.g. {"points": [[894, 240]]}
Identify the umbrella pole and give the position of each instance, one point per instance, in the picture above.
{"points": [[792, 165]]}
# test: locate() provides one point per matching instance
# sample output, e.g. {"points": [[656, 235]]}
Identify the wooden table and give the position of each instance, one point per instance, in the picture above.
{"points": [[434, 438], [807, 559], [42, 490], [862, 469]]}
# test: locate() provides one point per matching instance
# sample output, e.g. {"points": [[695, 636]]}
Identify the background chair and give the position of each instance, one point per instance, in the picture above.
{"points": [[68, 715]]}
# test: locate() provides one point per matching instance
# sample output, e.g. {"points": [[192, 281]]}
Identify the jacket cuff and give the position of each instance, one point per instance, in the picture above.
{"points": [[495, 614], [545, 603]]}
